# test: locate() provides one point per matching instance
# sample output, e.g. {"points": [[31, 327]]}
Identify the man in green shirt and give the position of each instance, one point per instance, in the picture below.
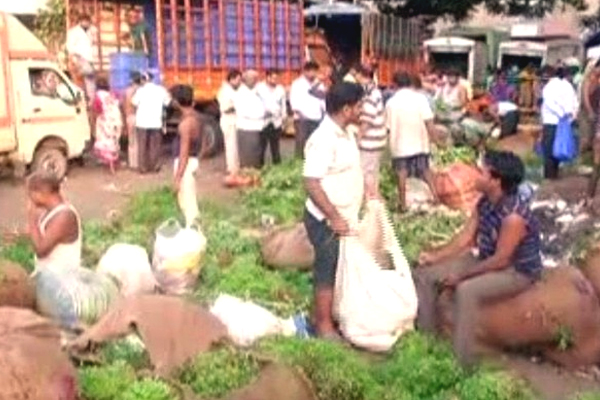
{"points": [[139, 33]]}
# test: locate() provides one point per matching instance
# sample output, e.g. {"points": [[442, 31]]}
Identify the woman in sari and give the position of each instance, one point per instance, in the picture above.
{"points": [[109, 125]]}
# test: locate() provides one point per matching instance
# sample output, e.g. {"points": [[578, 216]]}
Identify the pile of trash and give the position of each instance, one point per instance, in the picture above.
{"points": [[562, 225]]}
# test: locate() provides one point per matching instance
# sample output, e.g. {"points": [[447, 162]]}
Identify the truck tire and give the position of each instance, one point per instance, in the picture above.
{"points": [[213, 137], [50, 159]]}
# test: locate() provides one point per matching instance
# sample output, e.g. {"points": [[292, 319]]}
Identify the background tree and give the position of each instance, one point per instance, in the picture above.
{"points": [[50, 25], [460, 9]]}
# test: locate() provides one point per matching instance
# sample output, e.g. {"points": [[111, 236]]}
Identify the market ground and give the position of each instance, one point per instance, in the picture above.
{"points": [[98, 195]]}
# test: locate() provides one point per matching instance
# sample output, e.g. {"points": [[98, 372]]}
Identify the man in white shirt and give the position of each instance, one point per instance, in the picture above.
{"points": [[250, 120], [149, 100], [333, 180], [225, 98], [559, 100], [80, 46], [409, 120], [307, 105], [274, 99]]}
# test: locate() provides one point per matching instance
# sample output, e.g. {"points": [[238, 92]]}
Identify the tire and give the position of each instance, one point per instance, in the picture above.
{"points": [[50, 159], [212, 137]]}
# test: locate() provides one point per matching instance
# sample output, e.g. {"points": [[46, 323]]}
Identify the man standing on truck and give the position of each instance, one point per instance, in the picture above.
{"points": [[139, 32], [149, 100], [274, 98], [226, 107], [80, 46], [306, 105]]}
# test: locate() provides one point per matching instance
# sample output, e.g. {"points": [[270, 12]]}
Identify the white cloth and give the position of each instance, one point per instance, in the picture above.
{"points": [[332, 156], [64, 255], [406, 114], [149, 100], [186, 196], [81, 42], [225, 97], [250, 110], [274, 99], [558, 100], [504, 107], [303, 102]]}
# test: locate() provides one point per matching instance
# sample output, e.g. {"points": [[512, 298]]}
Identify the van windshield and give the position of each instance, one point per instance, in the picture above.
{"points": [[46, 82]]}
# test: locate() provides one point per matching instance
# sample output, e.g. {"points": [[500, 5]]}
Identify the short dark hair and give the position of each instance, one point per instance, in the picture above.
{"points": [[341, 95], [365, 71], [136, 77], [272, 72], [183, 94], [102, 83], [44, 181], [402, 79], [311, 66], [417, 82], [560, 72], [85, 17], [507, 167], [453, 72], [233, 74]]}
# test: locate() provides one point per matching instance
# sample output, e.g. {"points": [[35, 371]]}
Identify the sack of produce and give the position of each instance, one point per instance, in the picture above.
{"points": [[455, 186], [178, 254], [33, 365], [74, 297], [522, 144], [375, 298], [16, 289], [559, 317], [130, 266], [288, 248]]}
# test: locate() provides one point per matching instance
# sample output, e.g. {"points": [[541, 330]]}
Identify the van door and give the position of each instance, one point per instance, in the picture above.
{"points": [[48, 108], [8, 140]]}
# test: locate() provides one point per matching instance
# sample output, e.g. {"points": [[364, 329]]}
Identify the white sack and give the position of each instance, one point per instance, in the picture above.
{"points": [[374, 306], [247, 322], [129, 265]]}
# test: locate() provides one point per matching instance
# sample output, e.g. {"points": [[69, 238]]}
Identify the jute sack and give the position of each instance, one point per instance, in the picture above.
{"points": [[455, 186], [16, 290], [288, 248], [31, 360], [559, 316]]}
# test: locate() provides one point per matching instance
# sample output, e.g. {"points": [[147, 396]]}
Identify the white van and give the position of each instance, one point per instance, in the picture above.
{"points": [[43, 116], [522, 53]]}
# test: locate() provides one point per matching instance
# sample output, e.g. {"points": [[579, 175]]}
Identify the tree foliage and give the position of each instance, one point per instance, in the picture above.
{"points": [[51, 24], [460, 9]]}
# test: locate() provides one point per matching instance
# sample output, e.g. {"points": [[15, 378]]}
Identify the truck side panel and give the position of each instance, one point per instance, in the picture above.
{"points": [[203, 39], [395, 42], [8, 140]]}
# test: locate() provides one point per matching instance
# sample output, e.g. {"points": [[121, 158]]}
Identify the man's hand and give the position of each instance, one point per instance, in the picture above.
{"points": [[451, 281], [340, 226], [427, 258]]}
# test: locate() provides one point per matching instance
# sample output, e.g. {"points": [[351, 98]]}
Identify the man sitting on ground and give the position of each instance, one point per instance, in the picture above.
{"points": [[53, 224], [507, 237]]}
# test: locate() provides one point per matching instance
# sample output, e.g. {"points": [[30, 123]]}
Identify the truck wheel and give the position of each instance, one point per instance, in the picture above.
{"points": [[213, 137], [50, 159]]}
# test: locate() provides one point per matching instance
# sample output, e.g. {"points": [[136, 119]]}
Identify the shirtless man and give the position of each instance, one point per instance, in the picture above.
{"points": [[187, 149], [129, 111], [53, 224]]}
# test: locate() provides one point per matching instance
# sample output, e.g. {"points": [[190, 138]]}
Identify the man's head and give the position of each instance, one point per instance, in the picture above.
{"points": [[344, 102], [85, 21], [365, 75], [402, 80], [502, 173], [102, 83], [272, 77], [311, 69], [251, 78], [417, 82], [134, 16], [453, 77], [234, 78], [560, 72], [136, 77], [43, 188], [183, 96]]}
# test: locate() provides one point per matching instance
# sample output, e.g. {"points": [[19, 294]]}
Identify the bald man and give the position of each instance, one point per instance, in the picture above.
{"points": [[251, 118]]}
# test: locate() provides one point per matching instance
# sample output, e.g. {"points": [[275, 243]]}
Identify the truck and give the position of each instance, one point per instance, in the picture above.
{"points": [[43, 115], [538, 44], [471, 50]]}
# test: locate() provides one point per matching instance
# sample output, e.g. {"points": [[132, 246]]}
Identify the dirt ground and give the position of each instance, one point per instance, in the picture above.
{"points": [[97, 195]]}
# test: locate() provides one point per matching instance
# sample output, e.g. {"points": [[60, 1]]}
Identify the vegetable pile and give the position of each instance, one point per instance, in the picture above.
{"points": [[418, 368]]}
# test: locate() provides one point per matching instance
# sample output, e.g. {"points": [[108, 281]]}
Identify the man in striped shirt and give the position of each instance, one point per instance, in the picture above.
{"points": [[372, 135]]}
